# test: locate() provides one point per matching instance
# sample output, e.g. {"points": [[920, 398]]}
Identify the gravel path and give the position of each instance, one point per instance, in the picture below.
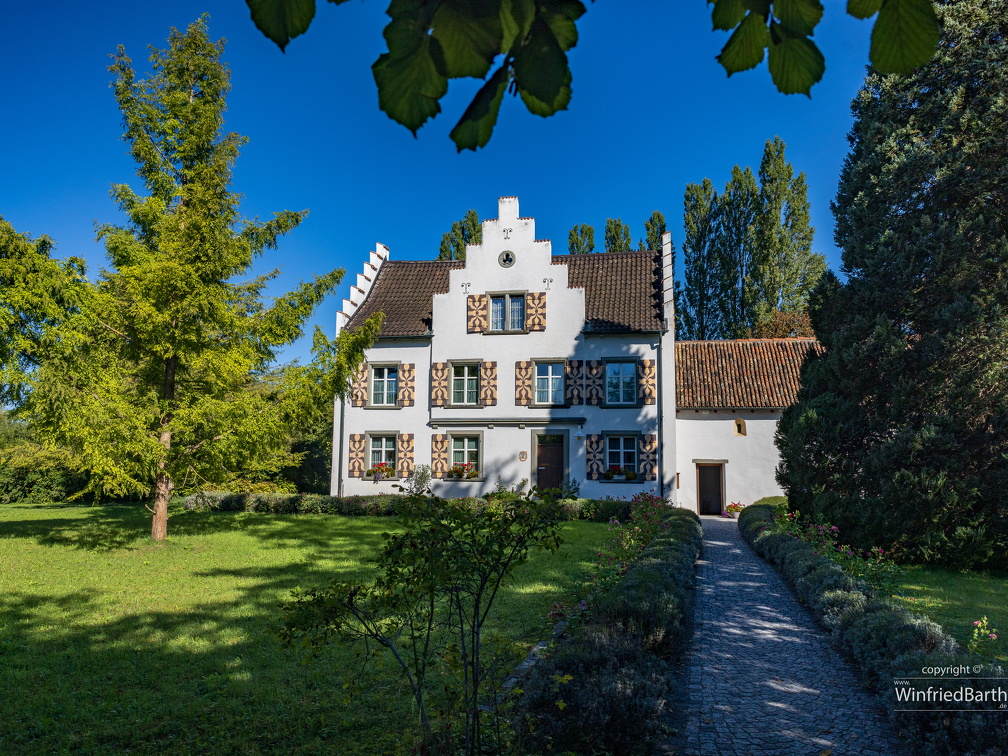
{"points": [[763, 678]]}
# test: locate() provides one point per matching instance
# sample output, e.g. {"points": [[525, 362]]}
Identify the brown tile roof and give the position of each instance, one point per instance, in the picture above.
{"points": [[746, 374], [622, 292], [404, 291], [622, 289]]}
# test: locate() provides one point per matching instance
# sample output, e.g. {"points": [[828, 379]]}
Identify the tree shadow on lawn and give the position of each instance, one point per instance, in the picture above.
{"points": [[212, 677], [105, 528]]}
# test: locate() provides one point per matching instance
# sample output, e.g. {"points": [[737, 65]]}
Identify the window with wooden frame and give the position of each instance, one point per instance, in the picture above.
{"points": [[384, 385], [507, 313], [549, 383], [621, 383], [465, 385]]}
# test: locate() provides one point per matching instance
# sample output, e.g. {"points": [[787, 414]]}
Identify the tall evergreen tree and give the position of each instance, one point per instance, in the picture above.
{"points": [[785, 269], [654, 227], [467, 230], [146, 380], [699, 317], [738, 208], [617, 235], [900, 435], [581, 239]]}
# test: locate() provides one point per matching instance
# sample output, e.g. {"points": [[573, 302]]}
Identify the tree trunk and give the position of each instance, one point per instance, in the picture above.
{"points": [[162, 490]]}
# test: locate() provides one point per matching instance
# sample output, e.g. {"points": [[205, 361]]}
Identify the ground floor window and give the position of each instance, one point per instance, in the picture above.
{"points": [[621, 455], [383, 457], [465, 460]]}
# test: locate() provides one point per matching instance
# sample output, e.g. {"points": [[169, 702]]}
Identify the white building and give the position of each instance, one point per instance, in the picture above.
{"points": [[517, 364]]}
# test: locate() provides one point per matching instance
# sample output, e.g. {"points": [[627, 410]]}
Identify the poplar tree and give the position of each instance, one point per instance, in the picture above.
{"points": [[467, 230], [900, 434], [785, 269], [654, 227], [699, 317], [738, 208], [617, 235], [147, 382], [581, 239]]}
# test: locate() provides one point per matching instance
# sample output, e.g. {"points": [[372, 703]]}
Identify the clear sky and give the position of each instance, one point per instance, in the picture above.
{"points": [[651, 111]]}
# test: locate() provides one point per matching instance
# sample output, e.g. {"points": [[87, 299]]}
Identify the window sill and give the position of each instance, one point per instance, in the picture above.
{"points": [[638, 479], [463, 480], [382, 406]]}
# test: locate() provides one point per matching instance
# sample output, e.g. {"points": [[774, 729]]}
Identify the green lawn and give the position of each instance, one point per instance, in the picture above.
{"points": [[955, 600], [109, 643]]}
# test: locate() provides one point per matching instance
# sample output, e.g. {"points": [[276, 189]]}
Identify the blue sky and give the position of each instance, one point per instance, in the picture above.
{"points": [[651, 111]]}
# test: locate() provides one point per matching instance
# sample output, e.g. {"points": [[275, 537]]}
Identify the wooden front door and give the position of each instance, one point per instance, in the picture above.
{"points": [[709, 489], [549, 461]]}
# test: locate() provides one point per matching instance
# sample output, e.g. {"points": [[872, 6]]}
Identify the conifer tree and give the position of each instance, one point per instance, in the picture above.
{"points": [[467, 230], [699, 317], [617, 235], [581, 239], [900, 434]]}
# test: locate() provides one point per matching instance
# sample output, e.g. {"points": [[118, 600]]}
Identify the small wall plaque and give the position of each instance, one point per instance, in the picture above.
{"points": [[523, 456]]}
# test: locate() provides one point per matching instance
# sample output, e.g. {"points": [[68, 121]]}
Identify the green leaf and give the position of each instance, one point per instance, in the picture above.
{"points": [[798, 17], [516, 19], [541, 71], [476, 125], [727, 14], [409, 87], [560, 15], [282, 20], [905, 36], [470, 35], [762, 7], [863, 8], [745, 46], [796, 64]]}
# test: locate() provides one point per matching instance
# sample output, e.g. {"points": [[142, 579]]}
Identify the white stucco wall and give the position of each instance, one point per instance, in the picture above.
{"points": [[750, 460]]}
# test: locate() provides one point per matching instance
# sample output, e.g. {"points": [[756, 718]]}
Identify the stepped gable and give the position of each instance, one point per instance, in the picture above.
{"points": [[622, 289], [742, 374], [404, 290]]}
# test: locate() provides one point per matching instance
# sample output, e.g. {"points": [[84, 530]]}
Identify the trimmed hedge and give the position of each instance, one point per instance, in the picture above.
{"points": [[884, 640], [616, 656], [381, 505]]}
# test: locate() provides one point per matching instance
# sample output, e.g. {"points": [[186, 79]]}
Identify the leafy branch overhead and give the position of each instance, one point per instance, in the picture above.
{"points": [[904, 37], [521, 46]]}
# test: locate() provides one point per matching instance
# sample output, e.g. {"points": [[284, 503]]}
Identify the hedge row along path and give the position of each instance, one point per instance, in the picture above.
{"points": [[763, 678]]}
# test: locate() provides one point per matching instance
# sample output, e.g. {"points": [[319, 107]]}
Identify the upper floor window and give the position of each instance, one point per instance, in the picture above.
{"points": [[507, 312], [384, 385], [621, 383], [549, 383], [465, 384]]}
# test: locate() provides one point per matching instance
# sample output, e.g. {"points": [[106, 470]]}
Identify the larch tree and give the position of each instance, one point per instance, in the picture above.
{"points": [[147, 381], [738, 207], [699, 317], [784, 267], [617, 235], [581, 239], [467, 230], [900, 432]]}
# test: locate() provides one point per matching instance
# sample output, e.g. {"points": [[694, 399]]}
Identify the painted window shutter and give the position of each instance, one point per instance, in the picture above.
{"points": [[439, 384], [488, 384], [574, 381], [535, 311], [648, 456], [647, 385], [404, 455], [439, 455], [407, 385], [594, 381], [476, 313], [355, 455], [359, 387], [523, 383], [594, 455]]}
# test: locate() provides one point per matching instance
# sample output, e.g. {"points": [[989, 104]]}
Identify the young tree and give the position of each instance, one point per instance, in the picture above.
{"points": [[738, 207], [467, 230], [147, 382], [617, 235], [900, 434], [654, 227], [581, 239], [784, 267], [698, 315]]}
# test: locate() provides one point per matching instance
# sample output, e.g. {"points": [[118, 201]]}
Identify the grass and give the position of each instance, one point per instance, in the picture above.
{"points": [[110, 643], [955, 600]]}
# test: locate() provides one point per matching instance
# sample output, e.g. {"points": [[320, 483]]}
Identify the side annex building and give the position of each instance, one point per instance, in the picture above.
{"points": [[517, 364]]}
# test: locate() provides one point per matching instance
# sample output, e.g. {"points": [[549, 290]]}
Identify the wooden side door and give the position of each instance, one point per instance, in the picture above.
{"points": [[549, 461], [709, 490]]}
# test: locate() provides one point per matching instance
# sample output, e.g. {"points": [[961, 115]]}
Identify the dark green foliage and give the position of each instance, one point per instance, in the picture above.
{"points": [[654, 228], [900, 432], [467, 230], [604, 684], [699, 317], [882, 639], [617, 235], [581, 239]]}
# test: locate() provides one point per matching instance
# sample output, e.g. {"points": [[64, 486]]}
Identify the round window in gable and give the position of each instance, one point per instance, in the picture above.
{"points": [[506, 258]]}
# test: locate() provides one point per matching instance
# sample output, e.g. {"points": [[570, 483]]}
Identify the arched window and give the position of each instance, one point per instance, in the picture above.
{"points": [[739, 426]]}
